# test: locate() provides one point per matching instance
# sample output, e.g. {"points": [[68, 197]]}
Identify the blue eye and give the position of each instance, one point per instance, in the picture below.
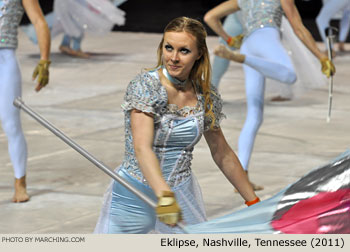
{"points": [[168, 47], [185, 51]]}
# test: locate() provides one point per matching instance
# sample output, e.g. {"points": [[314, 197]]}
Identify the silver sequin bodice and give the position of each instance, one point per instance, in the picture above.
{"points": [[176, 131], [257, 14], [11, 12]]}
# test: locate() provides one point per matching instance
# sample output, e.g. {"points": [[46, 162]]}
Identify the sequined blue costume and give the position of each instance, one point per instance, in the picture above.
{"points": [[11, 12], [176, 133], [257, 14]]}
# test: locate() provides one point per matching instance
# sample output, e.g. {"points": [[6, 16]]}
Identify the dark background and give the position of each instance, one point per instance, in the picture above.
{"points": [[153, 15]]}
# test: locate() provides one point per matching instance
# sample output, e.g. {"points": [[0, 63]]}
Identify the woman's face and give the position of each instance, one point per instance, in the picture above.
{"points": [[180, 52]]}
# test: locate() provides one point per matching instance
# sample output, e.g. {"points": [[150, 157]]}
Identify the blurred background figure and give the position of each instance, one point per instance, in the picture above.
{"points": [[329, 10], [75, 17]]}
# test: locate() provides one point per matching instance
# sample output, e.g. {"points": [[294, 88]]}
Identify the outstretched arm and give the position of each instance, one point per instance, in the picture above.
{"points": [[36, 17], [229, 164], [299, 29], [305, 36], [214, 16]]}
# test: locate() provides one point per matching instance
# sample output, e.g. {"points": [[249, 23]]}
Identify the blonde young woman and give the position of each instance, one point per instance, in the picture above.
{"points": [[167, 110]]}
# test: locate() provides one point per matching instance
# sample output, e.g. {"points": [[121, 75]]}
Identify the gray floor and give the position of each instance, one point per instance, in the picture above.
{"points": [[83, 100]]}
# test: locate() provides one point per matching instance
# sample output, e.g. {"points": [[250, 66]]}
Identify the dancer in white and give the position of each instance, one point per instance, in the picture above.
{"points": [[262, 55], [75, 17], [329, 9], [11, 12]]}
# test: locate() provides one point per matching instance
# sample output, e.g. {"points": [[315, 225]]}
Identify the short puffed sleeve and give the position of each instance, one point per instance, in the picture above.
{"points": [[144, 93], [213, 119]]}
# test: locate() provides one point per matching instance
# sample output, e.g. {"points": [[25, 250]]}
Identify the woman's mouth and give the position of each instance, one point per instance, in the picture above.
{"points": [[174, 68]]}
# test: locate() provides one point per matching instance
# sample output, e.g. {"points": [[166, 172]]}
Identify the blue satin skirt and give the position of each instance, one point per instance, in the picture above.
{"points": [[128, 213]]}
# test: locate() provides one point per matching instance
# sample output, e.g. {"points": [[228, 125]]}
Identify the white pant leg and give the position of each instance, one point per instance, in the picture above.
{"points": [[10, 88], [255, 89], [265, 53], [265, 57], [344, 24], [327, 12]]}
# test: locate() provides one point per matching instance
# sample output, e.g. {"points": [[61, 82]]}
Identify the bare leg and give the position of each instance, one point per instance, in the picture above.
{"points": [[20, 190]]}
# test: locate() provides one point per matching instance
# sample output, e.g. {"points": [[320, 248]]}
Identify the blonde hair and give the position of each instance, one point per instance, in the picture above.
{"points": [[201, 70]]}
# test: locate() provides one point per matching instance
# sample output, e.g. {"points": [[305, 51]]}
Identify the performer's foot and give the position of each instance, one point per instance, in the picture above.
{"points": [[65, 49], [75, 53], [20, 190], [223, 52], [341, 47], [80, 54], [279, 98]]}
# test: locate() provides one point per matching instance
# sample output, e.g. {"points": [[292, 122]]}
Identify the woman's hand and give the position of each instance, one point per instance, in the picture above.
{"points": [[327, 67], [168, 211], [42, 72], [235, 41]]}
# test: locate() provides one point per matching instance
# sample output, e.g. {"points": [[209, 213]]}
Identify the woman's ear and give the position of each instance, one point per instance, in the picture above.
{"points": [[200, 54]]}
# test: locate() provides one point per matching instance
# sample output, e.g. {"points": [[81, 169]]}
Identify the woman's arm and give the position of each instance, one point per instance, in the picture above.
{"points": [[142, 127], [229, 164], [300, 30], [214, 16], [36, 17]]}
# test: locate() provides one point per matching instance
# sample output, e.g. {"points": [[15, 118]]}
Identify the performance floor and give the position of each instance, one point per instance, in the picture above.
{"points": [[83, 100]]}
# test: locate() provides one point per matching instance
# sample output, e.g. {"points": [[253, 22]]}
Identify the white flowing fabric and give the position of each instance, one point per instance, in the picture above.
{"points": [[74, 17], [306, 66]]}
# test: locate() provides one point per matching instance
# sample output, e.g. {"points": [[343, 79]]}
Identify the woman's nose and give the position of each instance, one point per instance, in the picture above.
{"points": [[175, 57]]}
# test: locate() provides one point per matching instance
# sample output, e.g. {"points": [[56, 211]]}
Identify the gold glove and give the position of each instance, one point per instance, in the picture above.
{"points": [[42, 72], [168, 211], [327, 67], [236, 41]]}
